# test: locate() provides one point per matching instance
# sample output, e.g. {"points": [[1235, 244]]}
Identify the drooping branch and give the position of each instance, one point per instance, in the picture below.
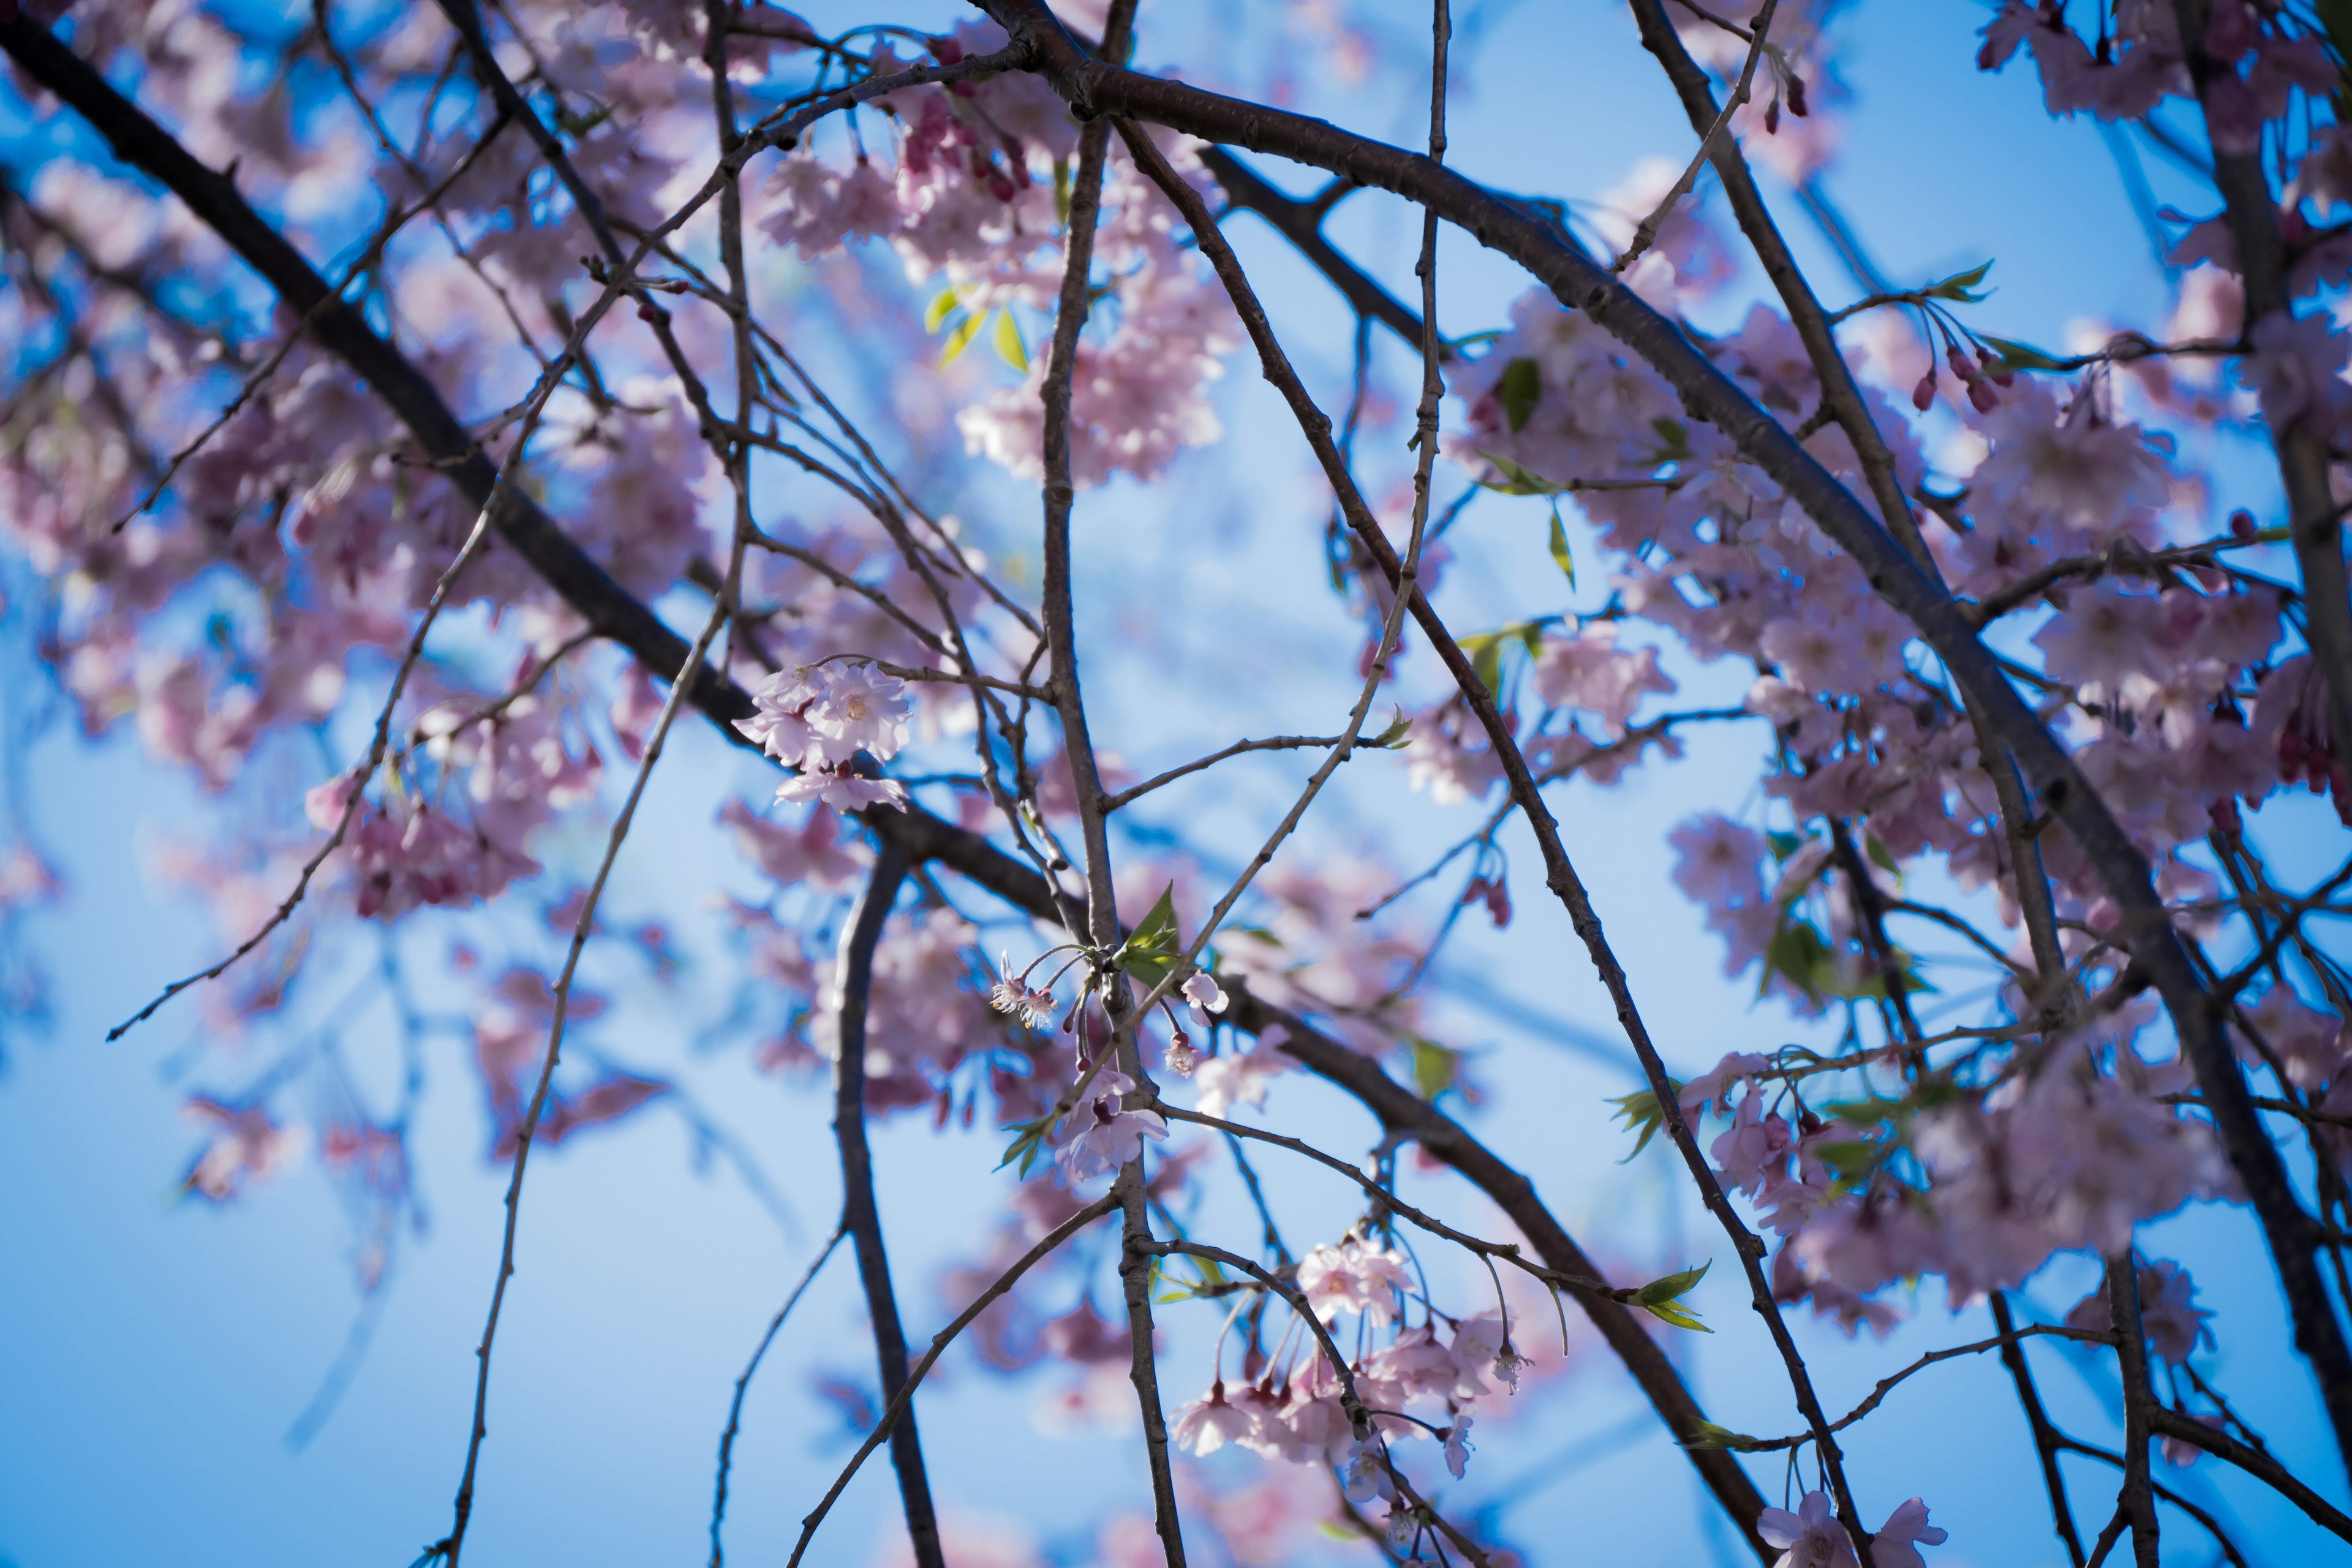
{"points": [[1708, 394], [939, 1343], [2046, 1443], [2313, 518], [743, 1384], [859, 1215], [1561, 875], [1301, 223]]}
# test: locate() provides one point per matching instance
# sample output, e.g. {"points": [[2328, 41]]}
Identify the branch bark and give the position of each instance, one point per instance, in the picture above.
{"points": [[1708, 394], [2045, 1436], [859, 1215], [2313, 519]]}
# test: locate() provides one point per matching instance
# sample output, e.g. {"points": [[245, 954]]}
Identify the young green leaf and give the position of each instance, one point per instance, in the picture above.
{"points": [[959, 339], [1640, 1110], [1662, 1299], [1519, 391], [1150, 950], [942, 306], [1518, 480], [2020, 356], [1394, 735], [1958, 286], [1673, 440], [1559, 555], [1435, 1069], [1007, 342]]}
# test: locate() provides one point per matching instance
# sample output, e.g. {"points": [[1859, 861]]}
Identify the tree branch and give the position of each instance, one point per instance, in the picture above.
{"points": [[1708, 394], [2046, 1442], [859, 1215]]}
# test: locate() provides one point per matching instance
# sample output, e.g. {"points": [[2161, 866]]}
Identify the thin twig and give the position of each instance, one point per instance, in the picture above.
{"points": [[939, 1342], [735, 1406], [1647, 233]]}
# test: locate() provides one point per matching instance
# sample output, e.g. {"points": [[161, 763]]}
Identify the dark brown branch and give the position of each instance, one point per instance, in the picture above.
{"points": [[743, 1383], [859, 1215], [1272, 743], [2137, 1503], [939, 1342], [2046, 1442], [2252, 208], [2181, 1428], [1561, 875], [1301, 223], [1708, 394]]}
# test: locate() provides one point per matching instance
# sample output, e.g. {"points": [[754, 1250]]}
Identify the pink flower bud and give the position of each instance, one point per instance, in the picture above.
{"points": [[1982, 397], [1924, 394], [2241, 524], [1772, 116]]}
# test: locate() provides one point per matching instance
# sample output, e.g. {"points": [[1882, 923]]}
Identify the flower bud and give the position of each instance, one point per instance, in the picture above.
{"points": [[2241, 524], [1924, 394], [1982, 397]]}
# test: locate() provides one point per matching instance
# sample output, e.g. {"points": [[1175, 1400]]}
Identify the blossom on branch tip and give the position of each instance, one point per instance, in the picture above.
{"points": [[1353, 1277], [1201, 991], [1896, 1544], [1457, 1445], [1364, 1472], [1207, 1425], [1811, 1537], [1105, 1134], [1012, 994]]}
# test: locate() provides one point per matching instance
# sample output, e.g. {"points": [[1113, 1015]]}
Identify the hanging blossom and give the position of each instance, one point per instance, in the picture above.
{"points": [[1102, 1133], [1353, 1277], [818, 720]]}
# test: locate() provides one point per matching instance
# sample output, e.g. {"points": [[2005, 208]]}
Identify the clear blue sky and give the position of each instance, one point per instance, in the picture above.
{"points": [[154, 1355]]}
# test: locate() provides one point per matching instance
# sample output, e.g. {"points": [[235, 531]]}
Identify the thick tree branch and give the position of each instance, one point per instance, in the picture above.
{"points": [[859, 1215], [2312, 516], [1561, 875], [1708, 394], [1301, 223]]}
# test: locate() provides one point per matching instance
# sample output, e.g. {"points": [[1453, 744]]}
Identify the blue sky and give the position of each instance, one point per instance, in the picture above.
{"points": [[156, 1353]]}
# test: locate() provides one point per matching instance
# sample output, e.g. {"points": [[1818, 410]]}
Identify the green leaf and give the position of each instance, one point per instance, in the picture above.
{"points": [[1677, 1316], [1150, 950], [1671, 1286], [1673, 437], [2020, 356], [941, 307], [2335, 15], [1519, 391], [1708, 1434], [1025, 1146], [1958, 286], [1847, 1159], [1798, 952], [1518, 480], [1880, 856], [1007, 341], [1061, 190], [1392, 738], [1256, 933], [1784, 846], [1434, 1067], [959, 339], [1559, 555], [1640, 1109], [1662, 1299]]}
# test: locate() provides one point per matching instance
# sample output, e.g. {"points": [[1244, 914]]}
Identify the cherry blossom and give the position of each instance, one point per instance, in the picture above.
{"points": [[1102, 1133], [1353, 1277]]}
